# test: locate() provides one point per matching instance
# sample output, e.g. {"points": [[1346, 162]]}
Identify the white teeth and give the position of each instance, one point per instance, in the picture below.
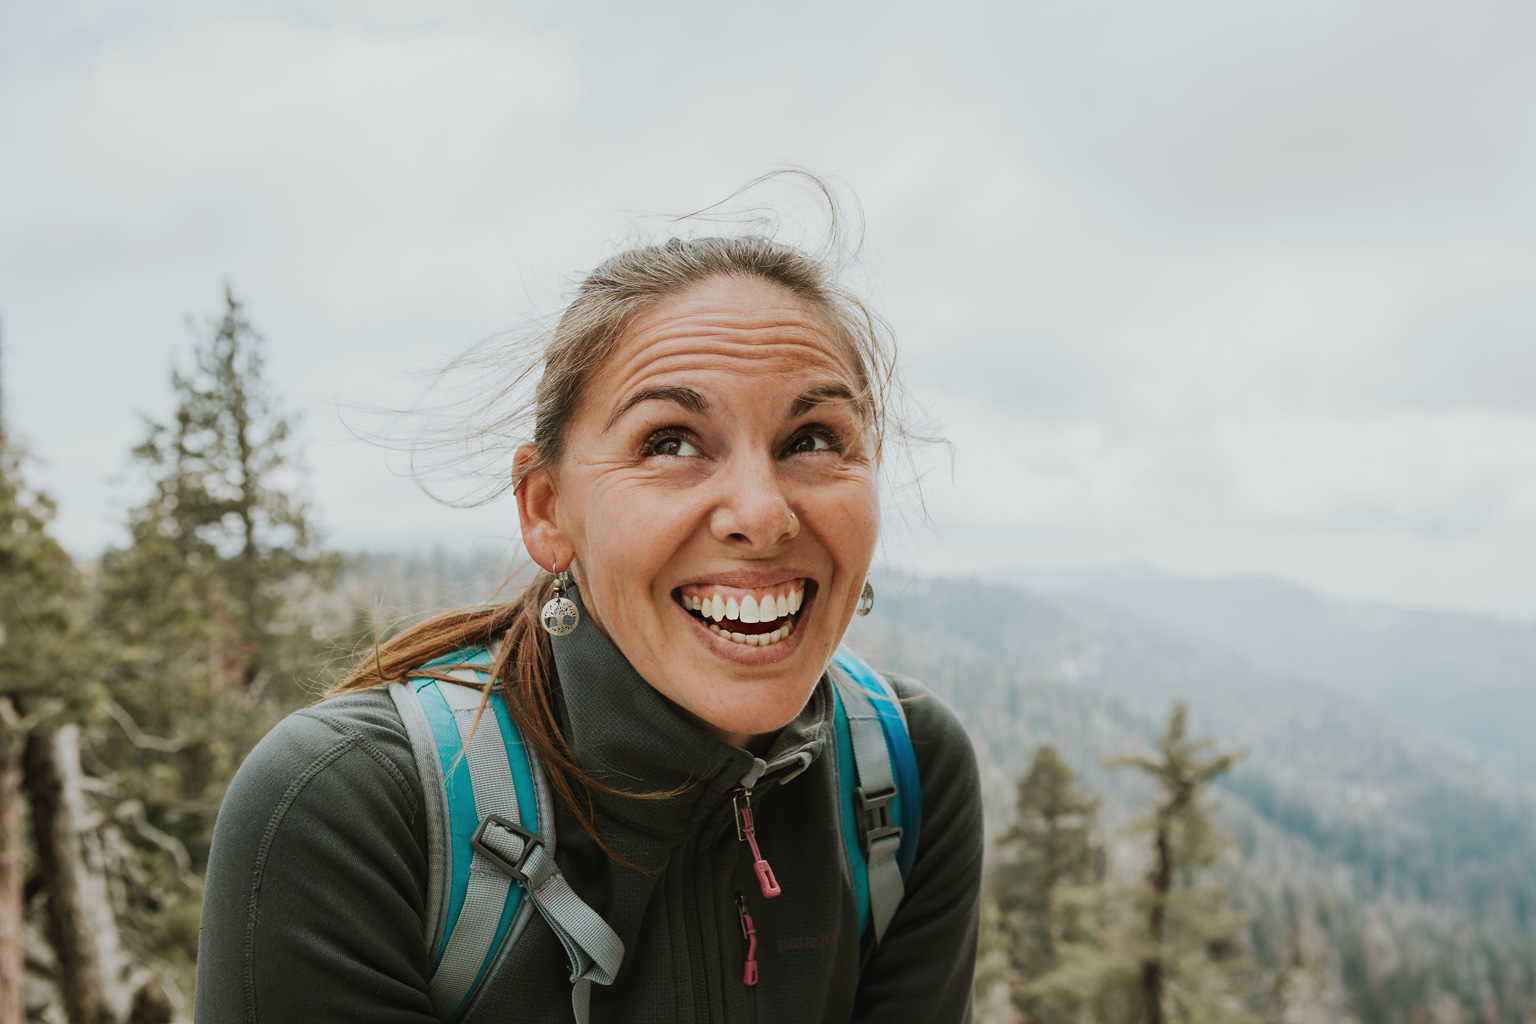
{"points": [[748, 608], [755, 639]]}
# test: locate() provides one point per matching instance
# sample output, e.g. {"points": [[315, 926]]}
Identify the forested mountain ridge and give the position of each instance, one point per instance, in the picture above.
{"points": [[1341, 782], [1465, 678]]}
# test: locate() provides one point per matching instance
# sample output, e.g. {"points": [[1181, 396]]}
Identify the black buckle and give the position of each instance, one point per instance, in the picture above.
{"points": [[530, 841], [875, 815]]}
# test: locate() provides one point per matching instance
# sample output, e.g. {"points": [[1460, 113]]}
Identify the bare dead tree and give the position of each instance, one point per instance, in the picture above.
{"points": [[81, 927]]}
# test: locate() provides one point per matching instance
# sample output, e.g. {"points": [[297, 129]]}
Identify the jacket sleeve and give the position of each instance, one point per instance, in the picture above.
{"points": [[922, 973], [313, 903]]}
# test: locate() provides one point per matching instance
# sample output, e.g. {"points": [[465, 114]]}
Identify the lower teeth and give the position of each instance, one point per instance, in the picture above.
{"points": [[756, 639]]}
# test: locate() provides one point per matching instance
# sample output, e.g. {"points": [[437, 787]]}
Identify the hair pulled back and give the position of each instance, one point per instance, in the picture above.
{"points": [[607, 302]]}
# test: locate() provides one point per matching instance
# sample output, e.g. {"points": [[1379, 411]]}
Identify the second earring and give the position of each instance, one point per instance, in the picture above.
{"points": [[866, 599]]}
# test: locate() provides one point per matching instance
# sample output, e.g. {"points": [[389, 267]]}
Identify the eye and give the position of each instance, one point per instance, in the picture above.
{"points": [[811, 441], [672, 444]]}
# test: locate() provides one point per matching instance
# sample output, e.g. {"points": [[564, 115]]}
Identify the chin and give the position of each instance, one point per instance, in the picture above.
{"points": [[766, 706]]}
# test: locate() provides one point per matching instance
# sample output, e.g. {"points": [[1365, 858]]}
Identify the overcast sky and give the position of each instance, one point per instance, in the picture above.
{"points": [[1223, 288]]}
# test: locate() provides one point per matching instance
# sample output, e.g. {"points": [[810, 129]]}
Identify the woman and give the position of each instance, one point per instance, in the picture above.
{"points": [[708, 430]]}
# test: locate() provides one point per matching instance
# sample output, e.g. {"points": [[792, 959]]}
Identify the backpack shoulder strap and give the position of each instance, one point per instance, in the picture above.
{"points": [[486, 797], [882, 794]]}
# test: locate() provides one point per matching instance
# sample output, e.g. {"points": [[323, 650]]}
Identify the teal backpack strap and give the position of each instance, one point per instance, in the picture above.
{"points": [[483, 835], [882, 795]]}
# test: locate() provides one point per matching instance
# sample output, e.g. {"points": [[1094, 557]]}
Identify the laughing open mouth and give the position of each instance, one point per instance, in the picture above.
{"points": [[756, 618]]}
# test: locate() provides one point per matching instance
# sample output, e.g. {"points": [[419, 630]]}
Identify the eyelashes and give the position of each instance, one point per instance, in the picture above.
{"points": [[679, 442]]}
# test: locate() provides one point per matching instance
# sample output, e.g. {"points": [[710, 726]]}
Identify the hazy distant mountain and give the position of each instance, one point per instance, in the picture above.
{"points": [[1465, 678], [1333, 793]]}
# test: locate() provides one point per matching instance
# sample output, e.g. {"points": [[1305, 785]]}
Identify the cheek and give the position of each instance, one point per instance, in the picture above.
{"points": [[630, 533], [847, 518]]}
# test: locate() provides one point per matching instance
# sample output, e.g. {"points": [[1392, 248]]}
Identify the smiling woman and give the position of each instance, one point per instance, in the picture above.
{"points": [[700, 489]]}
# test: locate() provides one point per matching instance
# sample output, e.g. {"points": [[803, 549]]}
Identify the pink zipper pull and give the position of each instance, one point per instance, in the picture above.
{"points": [[741, 801], [748, 932]]}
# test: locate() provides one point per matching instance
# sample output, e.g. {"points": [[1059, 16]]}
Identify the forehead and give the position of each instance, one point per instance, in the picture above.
{"points": [[724, 332], [725, 327]]}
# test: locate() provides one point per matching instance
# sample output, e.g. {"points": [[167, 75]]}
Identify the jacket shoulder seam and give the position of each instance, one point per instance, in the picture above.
{"points": [[269, 834], [410, 792]]}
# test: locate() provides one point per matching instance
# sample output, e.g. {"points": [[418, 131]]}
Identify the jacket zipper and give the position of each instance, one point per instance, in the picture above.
{"points": [[741, 804], [748, 932]]}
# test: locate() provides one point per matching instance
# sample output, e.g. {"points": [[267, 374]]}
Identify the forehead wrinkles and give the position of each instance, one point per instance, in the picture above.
{"points": [[687, 344]]}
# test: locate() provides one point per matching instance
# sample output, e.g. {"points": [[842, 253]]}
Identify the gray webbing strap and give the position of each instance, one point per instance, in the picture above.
{"points": [[877, 787], [486, 757], [594, 949], [501, 857], [430, 770]]}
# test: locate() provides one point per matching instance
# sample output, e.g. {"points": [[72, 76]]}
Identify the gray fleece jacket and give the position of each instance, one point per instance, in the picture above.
{"points": [[316, 887]]}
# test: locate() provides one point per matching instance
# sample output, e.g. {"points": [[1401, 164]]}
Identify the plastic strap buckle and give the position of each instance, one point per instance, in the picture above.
{"points": [[516, 868], [875, 814]]}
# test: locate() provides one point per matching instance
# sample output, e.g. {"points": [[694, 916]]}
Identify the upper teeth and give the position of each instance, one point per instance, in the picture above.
{"points": [[749, 609]]}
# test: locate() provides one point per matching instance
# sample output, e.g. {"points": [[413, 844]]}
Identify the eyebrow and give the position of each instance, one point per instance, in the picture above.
{"points": [[686, 397], [825, 394]]}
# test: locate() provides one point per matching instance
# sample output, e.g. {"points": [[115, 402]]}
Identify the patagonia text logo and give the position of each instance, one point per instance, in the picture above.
{"points": [[816, 942]]}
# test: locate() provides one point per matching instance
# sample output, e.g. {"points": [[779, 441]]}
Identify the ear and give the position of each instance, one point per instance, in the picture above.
{"points": [[538, 514]]}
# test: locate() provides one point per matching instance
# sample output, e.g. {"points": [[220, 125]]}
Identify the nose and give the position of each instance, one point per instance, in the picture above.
{"points": [[752, 511]]}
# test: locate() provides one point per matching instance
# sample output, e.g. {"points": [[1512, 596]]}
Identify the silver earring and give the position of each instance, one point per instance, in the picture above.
{"points": [[866, 599], [560, 613]]}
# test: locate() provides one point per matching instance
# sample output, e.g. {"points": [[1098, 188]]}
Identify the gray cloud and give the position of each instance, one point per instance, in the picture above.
{"points": [[1028, 376], [1484, 357], [1317, 117]]}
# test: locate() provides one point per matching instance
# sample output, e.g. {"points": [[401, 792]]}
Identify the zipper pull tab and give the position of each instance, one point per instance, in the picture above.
{"points": [[748, 932], [741, 803]]}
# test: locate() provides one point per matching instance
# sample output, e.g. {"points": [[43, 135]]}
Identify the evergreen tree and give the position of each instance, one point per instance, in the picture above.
{"points": [[210, 614], [1046, 858], [1190, 969], [1164, 950]]}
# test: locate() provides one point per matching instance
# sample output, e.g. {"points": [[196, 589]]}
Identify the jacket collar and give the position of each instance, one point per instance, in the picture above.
{"points": [[626, 735]]}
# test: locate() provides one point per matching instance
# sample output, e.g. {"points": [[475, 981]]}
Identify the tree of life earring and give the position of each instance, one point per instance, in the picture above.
{"points": [[866, 599], [560, 613]]}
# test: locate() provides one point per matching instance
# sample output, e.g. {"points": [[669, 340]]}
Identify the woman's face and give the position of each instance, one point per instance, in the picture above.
{"points": [[717, 502]]}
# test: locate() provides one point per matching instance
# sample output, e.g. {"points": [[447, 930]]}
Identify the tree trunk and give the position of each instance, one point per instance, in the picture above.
{"points": [[1161, 881], [13, 1009], [80, 922]]}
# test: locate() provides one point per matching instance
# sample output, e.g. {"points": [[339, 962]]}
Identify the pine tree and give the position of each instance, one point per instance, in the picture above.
{"points": [[1164, 949], [1045, 859], [1190, 970], [210, 614]]}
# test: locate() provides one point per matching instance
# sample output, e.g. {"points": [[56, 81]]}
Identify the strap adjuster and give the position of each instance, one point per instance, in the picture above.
{"points": [[875, 815], [531, 840]]}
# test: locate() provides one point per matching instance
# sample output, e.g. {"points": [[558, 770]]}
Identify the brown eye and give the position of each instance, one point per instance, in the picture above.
{"points": [[809, 443], [674, 445]]}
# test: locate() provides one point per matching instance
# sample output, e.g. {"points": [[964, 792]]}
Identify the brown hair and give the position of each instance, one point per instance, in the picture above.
{"points": [[606, 304]]}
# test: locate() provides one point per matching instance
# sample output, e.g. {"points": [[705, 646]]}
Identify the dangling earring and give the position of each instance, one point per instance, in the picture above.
{"points": [[560, 613], [866, 599]]}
